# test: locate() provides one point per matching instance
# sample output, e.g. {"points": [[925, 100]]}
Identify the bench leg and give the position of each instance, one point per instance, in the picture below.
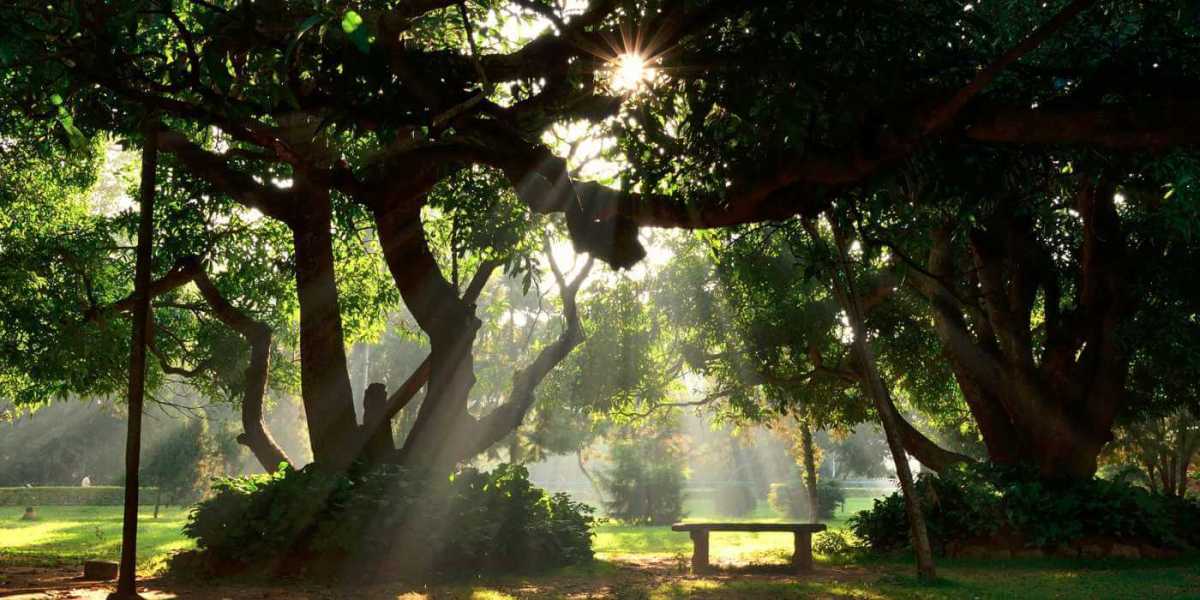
{"points": [[699, 550], [802, 557]]}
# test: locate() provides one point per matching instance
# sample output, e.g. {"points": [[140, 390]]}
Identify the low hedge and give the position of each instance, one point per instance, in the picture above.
{"points": [[97, 495]]}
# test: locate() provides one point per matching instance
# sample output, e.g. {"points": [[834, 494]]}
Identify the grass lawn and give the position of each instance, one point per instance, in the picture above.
{"points": [[71, 534], [1034, 579]]}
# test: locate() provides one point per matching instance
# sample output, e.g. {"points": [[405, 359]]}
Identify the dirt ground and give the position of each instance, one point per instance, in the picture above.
{"points": [[612, 580]]}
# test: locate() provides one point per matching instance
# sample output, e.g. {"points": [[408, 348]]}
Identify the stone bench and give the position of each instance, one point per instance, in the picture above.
{"points": [[802, 557]]}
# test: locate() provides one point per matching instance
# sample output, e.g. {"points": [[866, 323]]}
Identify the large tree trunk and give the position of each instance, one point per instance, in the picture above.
{"points": [[1046, 404], [445, 433], [127, 580], [324, 379], [441, 433]]}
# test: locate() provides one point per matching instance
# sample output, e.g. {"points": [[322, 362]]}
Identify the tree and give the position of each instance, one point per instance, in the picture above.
{"points": [[859, 452], [307, 96], [127, 579], [182, 464], [644, 482], [1033, 302], [1162, 448]]}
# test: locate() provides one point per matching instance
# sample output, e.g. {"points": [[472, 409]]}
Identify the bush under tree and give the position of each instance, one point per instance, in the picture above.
{"points": [[990, 505], [386, 522]]}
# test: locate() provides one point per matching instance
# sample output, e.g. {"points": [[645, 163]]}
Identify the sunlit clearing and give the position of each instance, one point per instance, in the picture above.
{"points": [[630, 72]]}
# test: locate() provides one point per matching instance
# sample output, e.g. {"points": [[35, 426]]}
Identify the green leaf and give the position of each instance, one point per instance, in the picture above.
{"points": [[352, 25], [78, 140], [351, 21]]}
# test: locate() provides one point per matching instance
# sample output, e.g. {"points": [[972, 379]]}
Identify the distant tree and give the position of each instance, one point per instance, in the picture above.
{"points": [[182, 464], [644, 481], [1161, 448], [860, 452]]}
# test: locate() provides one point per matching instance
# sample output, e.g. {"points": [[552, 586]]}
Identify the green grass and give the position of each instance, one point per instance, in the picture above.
{"points": [[871, 580], [1032, 580], [73, 533], [70, 534]]}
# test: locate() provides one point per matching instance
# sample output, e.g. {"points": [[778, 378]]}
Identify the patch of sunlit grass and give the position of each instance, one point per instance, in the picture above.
{"points": [[76, 533]]}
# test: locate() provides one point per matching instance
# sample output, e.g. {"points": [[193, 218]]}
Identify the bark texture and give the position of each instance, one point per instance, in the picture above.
{"points": [[324, 378]]}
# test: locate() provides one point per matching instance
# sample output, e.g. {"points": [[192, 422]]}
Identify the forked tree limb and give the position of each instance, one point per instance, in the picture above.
{"points": [[420, 376], [505, 418]]}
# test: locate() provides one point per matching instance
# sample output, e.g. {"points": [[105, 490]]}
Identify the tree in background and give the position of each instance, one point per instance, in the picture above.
{"points": [[183, 464], [860, 452], [1161, 448], [644, 481]]}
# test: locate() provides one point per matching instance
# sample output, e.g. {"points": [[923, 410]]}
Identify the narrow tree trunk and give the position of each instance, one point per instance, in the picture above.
{"points": [[588, 475], [514, 449], [127, 580], [324, 379], [157, 499], [810, 471], [848, 296], [920, 535]]}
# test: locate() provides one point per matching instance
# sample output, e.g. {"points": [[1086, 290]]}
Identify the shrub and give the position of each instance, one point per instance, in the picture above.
{"points": [[734, 499], [101, 495], [644, 484], [471, 523], [835, 542], [974, 501], [792, 499]]}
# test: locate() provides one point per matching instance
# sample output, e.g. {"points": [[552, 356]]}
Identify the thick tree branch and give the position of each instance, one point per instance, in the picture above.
{"points": [[215, 169], [508, 416], [420, 376]]}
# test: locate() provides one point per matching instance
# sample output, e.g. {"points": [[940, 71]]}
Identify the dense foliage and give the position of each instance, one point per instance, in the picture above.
{"points": [[181, 465], [472, 523], [985, 502]]}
